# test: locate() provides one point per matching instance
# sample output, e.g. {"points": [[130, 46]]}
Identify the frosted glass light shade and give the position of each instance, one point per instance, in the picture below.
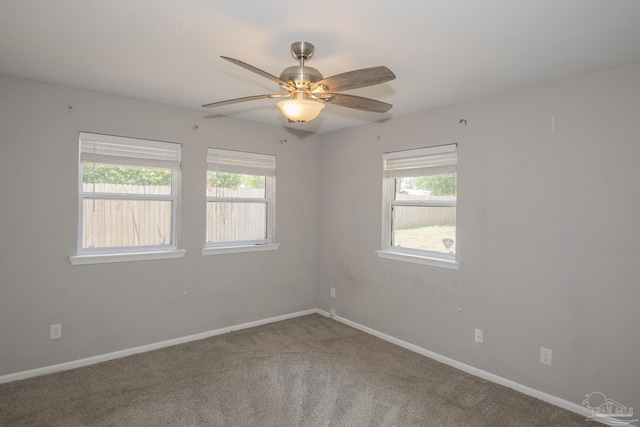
{"points": [[300, 110]]}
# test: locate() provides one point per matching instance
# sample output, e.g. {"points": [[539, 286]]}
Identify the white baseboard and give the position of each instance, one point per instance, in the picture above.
{"points": [[565, 404], [128, 352]]}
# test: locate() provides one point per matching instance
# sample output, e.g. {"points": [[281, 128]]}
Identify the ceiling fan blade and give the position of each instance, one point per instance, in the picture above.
{"points": [[357, 102], [259, 72], [356, 79], [244, 99]]}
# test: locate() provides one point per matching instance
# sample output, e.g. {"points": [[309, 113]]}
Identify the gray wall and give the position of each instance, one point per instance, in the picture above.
{"points": [[547, 232], [548, 238], [109, 307]]}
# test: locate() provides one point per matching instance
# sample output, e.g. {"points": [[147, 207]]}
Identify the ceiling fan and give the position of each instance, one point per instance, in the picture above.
{"points": [[308, 91]]}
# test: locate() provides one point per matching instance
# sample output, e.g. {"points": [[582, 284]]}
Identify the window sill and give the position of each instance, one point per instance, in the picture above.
{"points": [[218, 250], [416, 259], [125, 257]]}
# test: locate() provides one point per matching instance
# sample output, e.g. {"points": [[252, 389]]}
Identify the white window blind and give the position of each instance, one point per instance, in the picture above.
{"points": [[422, 162], [122, 151], [239, 162]]}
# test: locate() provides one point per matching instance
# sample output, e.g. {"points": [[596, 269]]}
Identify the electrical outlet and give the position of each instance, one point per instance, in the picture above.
{"points": [[332, 313], [55, 331], [332, 292], [479, 335], [545, 356]]}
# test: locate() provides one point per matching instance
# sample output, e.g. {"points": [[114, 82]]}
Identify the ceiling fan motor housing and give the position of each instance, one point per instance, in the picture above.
{"points": [[302, 77]]}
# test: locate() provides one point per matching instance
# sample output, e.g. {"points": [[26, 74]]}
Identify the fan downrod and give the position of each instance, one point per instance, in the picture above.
{"points": [[301, 76]]}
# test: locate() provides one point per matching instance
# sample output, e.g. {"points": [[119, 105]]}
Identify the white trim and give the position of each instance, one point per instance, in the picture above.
{"points": [[125, 257], [554, 400], [214, 199], [417, 259], [218, 250], [128, 196], [142, 349]]}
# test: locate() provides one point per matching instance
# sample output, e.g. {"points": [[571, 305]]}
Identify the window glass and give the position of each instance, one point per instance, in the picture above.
{"points": [[235, 185], [421, 202], [236, 221], [438, 187], [129, 191], [126, 180], [425, 228], [240, 189], [123, 223]]}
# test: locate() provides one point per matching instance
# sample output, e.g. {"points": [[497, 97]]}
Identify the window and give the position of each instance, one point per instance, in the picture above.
{"points": [[420, 191], [128, 195], [240, 196]]}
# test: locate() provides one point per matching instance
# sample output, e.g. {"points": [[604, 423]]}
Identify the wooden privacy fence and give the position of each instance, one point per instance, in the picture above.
{"points": [[130, 222], [236, 221], [126, 222], [414, 217]]}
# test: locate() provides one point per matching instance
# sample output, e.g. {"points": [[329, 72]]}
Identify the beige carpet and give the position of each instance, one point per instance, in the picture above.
{"points": [[308, 371]]}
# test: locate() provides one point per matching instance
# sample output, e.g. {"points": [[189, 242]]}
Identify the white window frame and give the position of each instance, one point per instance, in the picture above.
{"points": [[245, 163], [118, 150], [415, 162]]}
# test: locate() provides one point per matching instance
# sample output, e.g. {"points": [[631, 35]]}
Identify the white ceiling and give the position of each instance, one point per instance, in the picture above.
{"points": [[442, 51]]}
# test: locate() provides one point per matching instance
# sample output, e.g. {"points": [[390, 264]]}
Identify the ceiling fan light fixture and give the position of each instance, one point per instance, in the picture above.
{"points": [[300, 110]]}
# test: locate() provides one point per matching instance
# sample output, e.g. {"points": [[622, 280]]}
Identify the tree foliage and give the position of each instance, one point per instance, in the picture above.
{"points": [[157, 177], [438, 185], [126, 176], [233, 180]]}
